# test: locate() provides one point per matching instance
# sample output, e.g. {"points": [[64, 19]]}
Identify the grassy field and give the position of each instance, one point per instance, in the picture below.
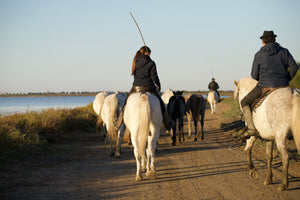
{"points": [[24, 134]]}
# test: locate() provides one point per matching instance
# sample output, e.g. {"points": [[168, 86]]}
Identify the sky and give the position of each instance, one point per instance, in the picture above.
{"points": [[89, 45]]}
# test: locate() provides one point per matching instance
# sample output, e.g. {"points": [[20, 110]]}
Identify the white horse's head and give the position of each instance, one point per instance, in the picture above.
{"points": [[167, 95], [243, 87]]}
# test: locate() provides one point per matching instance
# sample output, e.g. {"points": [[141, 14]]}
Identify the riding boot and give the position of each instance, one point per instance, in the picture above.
{"points": [[251, 131], [218, 96], [169, 123]]}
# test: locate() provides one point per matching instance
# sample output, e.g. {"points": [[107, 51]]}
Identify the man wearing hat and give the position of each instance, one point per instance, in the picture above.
{"points": [[213, 86], [273, 67]]}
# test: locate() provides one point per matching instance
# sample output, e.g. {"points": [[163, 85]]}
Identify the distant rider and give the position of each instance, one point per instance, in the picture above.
{"points": [[273, 67], [214, 86]]}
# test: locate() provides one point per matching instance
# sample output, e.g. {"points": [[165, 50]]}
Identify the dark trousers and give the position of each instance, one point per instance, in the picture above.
{"points": [[250, 98], [218, 95]]}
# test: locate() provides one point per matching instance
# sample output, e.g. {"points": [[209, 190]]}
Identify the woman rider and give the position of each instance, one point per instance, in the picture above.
{"points": [[145, 80]]}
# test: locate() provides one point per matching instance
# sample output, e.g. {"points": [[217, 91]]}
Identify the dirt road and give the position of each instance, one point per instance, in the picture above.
{"points": [[215, 168]]}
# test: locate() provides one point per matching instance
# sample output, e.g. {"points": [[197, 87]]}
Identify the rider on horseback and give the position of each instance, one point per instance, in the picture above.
{"points": [[214, 86], [273, 67], [145, 80]]}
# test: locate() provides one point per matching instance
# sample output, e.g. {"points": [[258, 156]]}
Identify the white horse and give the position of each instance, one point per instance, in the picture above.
{"points": [[97, 106], [143, 118], [111, 109], [274, 119], [166, 97], [213, 99]]}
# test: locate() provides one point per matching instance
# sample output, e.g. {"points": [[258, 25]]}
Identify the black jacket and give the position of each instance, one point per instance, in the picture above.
{"points": [[213, 86], [273, 66], [145, 72]]}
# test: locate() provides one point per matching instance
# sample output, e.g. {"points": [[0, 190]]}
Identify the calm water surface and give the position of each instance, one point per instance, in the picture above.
{"points": [[9, 105]]}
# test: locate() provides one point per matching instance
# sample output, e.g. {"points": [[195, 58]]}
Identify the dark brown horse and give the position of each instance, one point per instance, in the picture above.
{"points": [[195, 107], [176, 110]]}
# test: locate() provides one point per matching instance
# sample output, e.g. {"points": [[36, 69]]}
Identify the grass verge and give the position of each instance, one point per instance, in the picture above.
{"points": [[30, 133]]}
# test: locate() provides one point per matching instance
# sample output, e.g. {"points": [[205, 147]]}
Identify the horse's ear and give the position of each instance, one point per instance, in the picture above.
{"points": [[236, 83]]}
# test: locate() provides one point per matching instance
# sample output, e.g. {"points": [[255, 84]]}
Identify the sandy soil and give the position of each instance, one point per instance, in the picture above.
{"points": [[215, 168]]}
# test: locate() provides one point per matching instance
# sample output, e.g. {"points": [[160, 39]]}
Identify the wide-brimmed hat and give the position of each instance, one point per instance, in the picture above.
{"points": [[268, 34]]}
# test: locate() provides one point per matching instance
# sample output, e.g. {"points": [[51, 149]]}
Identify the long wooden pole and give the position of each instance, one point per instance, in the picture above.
{"points": [[138, 28]]}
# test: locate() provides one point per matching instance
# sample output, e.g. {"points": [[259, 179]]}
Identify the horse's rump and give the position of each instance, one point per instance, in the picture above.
{"points": [[141, 113], [143, 117], [195, 104], [176, 106], [109, 113], [296, 118]]}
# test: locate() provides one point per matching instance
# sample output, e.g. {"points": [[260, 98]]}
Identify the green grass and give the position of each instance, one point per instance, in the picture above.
{"points": [[234, 111], [24, 134]]}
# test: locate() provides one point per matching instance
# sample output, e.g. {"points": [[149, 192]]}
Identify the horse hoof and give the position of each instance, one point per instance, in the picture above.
{"points": [[283, 187], [138, 178], [253, 174], [117, 155], [153, 175], [268, 182]]}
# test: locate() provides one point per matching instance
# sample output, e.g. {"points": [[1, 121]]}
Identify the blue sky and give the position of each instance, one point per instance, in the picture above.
{"points": [[72, 45]]}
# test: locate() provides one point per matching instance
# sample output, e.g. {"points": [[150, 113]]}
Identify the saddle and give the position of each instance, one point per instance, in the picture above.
{"points": [[142, 89], [258, 101]]}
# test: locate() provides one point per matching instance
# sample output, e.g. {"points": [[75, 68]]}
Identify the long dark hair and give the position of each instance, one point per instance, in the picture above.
{"points": [[142, 51]]}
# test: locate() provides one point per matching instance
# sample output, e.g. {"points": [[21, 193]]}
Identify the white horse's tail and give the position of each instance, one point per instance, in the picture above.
{"points": [[99, 124], [296, 119], [143, 130], [111, 132]]}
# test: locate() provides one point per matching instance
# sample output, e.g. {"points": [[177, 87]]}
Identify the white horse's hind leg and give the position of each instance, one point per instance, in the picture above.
{"points": [[248, 149], [211, 108], [151, 171], [138, 166], [215, 106], [269, 152], [119, 141], [281, 145]]}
